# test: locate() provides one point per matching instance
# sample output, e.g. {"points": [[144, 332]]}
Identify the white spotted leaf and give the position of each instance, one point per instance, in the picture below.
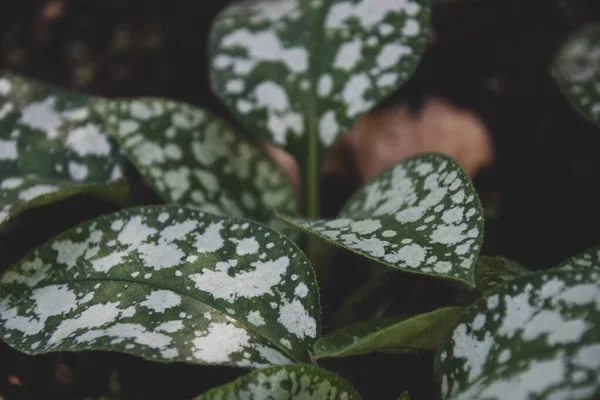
{"points": [[587, 259], [392, 335], [536, 337], [422, 215], [191, 157], [576, 69], [166, 283], [52, 146], [300, 72], [290, 382]]}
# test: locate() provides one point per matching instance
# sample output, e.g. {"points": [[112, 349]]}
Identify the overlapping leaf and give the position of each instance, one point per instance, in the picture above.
{"points": [[536, 337], [493, 271], [52, 145], [165, 283], [300, 72], [292, 382], [576, 69], [422, 216], [393, 334], [191, 157]]}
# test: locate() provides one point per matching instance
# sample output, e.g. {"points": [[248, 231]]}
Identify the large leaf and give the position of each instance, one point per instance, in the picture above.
{"points": [[422, 216], [52, 145], [576, 69], [588, 259], [165, 283], [191, 157], [300, 72], [292, 382], [537, 337], [393, 334], [493, 271]]}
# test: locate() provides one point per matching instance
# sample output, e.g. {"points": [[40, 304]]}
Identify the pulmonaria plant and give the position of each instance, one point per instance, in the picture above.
{"points": [[215, 277]]}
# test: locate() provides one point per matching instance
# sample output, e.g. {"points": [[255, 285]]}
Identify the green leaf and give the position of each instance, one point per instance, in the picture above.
{"points": [[52, 146], [576, 69], [588, 259], [191, 157], [493, 271], [404, 396], [421, 216], [165, 283], [393, 334], [537, 337], [300, 72], [292, 382]]}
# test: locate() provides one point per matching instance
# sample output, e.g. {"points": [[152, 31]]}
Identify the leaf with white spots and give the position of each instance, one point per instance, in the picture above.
{"points": [[52, 146], [588, 259], [537, 337], [300, 72], [493, 271], [292, 382], [576, 69], [193, 158], [393, 335], [422, 215], [165, 283]]}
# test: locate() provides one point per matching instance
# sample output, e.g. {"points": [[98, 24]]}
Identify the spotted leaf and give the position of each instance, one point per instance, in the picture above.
{"points": [[393, 334], [292, 382], [588, 259], [537, 337], [166, 283], [493, 271], [52, 145], [192, 157], [576, 69], [422, 216], [300, 72]]}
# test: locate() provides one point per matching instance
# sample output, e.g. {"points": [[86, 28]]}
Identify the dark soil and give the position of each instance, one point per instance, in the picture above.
{"points": [[490, 56]]}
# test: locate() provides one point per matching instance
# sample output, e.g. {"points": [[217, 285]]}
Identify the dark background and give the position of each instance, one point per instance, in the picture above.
{"points": [[490, 56]]}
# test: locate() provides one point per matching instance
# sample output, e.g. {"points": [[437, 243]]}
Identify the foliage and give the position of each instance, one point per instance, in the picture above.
{"points": [[202, 280]]}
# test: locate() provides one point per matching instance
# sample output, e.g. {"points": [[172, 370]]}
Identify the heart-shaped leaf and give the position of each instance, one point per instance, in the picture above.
{"points": [[291, 382], [535, 337], [52, 145], [493, 271], [421, 215], [165, 283], [576, 69], [393, 334], [300, 72], [192, 157], [588, 259]]}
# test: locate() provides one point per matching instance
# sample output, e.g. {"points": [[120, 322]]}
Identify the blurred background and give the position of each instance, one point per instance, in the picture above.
{"points": [[483, 94]]}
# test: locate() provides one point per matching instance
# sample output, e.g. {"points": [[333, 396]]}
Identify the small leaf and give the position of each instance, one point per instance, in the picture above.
{"points": [[165, 283], [300, 72], [292, 382], [588, 259], [191, 157], [52, 146], [535, 337], [393, 334], [421, 216], [576, 69], [493, 271], [404, 396]]}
